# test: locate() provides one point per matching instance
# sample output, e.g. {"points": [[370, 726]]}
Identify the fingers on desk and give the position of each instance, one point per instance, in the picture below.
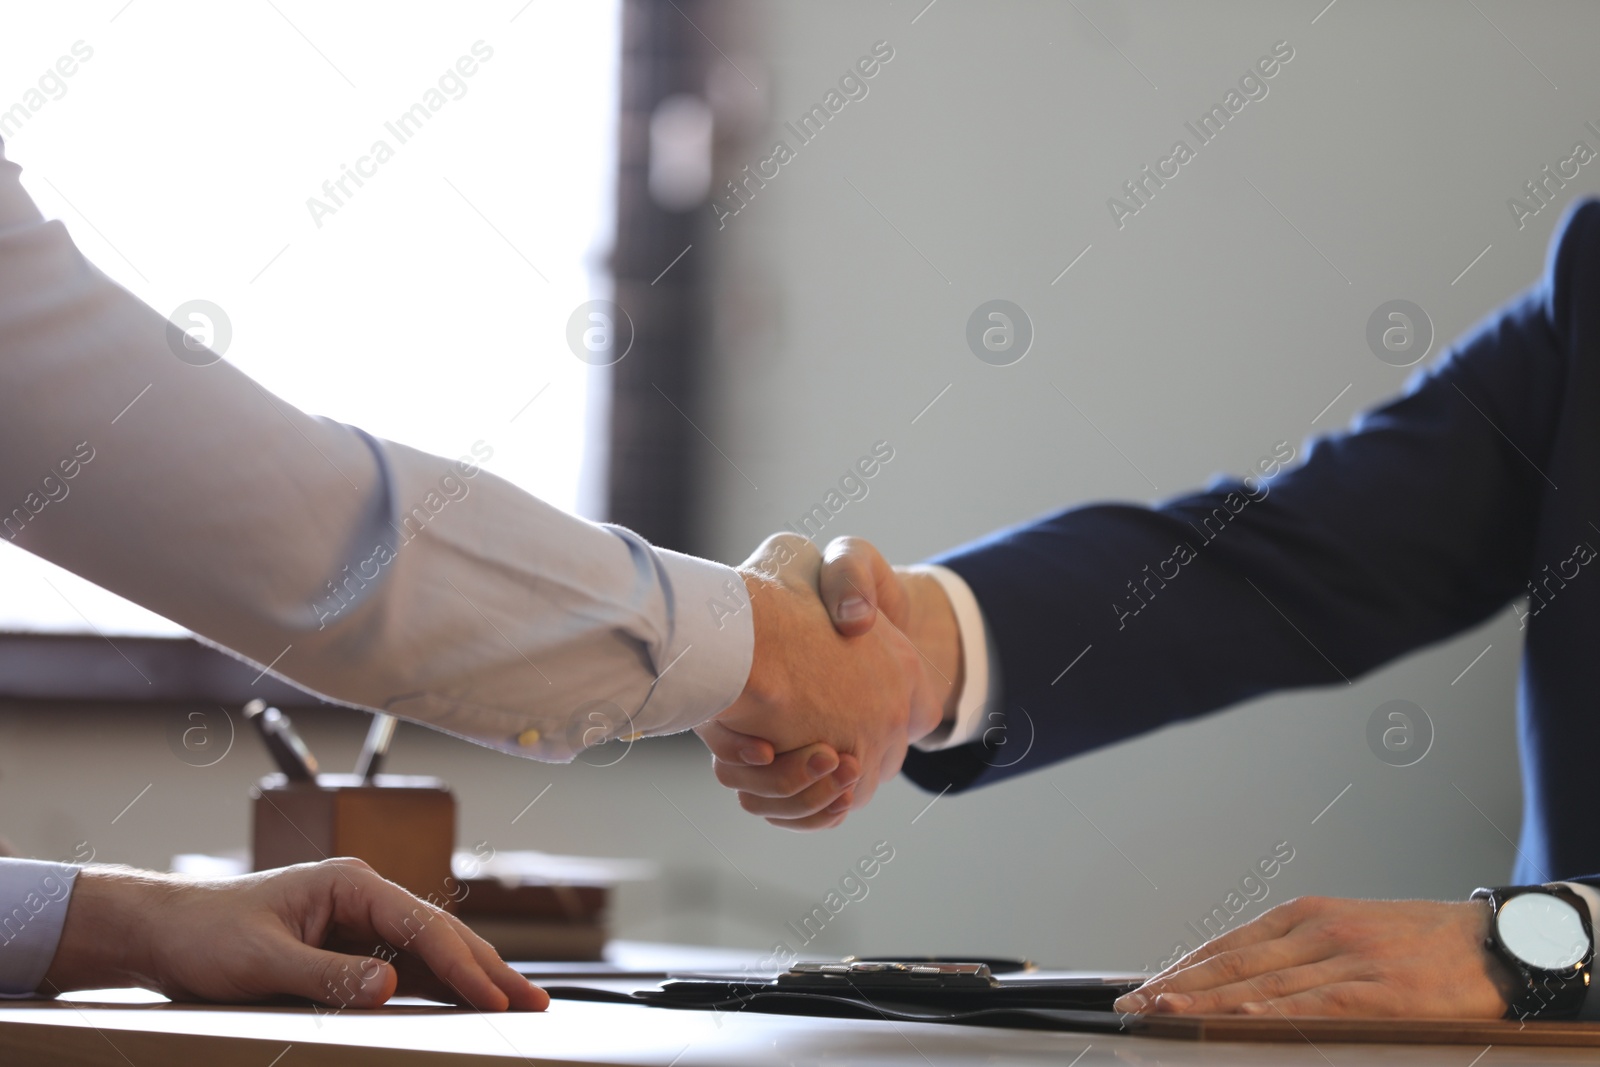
{"points": [[1255, 987], [332, 978], [469, 968], [1217, 975]]}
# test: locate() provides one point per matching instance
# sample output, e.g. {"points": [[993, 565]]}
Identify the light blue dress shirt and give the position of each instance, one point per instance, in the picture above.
{"points": [[368, 572], [34, 896]]}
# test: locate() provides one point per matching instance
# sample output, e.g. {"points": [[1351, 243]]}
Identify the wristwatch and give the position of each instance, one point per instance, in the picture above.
{"points": [[1544, 935]]}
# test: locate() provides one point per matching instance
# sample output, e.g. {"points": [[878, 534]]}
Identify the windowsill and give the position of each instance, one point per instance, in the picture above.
{"points": [[87, 667]]}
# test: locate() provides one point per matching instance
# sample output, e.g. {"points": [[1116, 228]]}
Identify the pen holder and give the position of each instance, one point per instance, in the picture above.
{"points": [[401, 825]]}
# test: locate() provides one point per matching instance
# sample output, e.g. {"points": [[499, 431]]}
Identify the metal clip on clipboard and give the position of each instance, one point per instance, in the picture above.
{"points": [[885, 975]]}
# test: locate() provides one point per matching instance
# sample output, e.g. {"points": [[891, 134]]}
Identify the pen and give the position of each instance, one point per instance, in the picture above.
{"points": [[289, 752], [376, 746]]}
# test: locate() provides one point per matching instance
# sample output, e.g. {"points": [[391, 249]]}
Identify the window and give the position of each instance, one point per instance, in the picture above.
{"points": [[230, 152]]}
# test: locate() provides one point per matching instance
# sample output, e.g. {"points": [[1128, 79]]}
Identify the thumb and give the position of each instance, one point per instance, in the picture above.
{"points": [[331, 978], [856, 583]]}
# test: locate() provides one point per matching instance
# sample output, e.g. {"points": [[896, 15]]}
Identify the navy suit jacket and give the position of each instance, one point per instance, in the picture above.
{"points": [[1480, 485]]}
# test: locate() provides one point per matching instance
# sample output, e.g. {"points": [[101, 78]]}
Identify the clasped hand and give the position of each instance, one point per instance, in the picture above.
{"points": [[840, 685]]}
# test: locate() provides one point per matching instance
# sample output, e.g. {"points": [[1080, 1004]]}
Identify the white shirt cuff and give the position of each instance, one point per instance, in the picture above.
{"points": [[980, 685], [34, 896], [1591, 896], [704, 665]]}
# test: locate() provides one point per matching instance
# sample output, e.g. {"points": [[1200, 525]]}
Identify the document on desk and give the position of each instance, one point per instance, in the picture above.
{"points": [[1034, 1000], [919, 991]]}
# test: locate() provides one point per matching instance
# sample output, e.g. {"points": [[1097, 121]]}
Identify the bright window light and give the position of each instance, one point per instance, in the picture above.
{"points": [[206, 151]]}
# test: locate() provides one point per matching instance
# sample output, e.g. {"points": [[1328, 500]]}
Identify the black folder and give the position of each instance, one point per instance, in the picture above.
{"points": [[901, 991]]}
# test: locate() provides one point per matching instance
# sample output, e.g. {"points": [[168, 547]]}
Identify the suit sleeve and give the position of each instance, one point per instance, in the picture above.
{"points": [[1416, 524]]}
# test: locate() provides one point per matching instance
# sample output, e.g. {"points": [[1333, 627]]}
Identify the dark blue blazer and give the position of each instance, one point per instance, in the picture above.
{"points": [[1479, 486]]}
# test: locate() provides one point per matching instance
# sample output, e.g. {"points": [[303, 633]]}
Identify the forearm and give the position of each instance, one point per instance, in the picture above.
{"points": [[1112, 620], [366, 571], [104, 943]]}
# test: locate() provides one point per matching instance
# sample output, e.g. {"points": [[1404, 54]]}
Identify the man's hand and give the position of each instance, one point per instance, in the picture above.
{"points": [[1321, 956], [815, 786], [308, 931], [841, 708]]}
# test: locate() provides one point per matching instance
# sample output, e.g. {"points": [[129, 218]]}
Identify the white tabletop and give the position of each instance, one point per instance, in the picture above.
{"points": [[583, 1033], [120, 1026]]}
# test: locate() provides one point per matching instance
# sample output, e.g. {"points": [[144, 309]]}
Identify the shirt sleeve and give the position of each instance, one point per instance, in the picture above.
{"points": [[366, 572], [978, 707], [33, 907]]}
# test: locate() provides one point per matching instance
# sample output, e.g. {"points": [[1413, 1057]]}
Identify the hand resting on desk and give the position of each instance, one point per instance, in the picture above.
{"points": [[334, 932], [1323, 956]]}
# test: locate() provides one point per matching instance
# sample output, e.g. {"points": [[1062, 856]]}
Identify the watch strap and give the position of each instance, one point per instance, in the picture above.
{"points": [[1542, 993]]}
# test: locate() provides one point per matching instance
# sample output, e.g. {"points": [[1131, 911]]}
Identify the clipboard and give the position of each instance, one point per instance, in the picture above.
{"points": [[899, 991], [969, 994]]}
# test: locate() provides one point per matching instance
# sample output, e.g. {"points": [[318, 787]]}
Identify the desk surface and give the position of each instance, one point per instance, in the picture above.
{"points": [[127, 1028], [580, 1033]]}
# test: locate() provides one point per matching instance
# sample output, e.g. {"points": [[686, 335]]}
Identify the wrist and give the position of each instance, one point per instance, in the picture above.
{"points": [[932, 628], [763, 575], [1495, 968], [1543, 937], [106, 937], [763, 685]]}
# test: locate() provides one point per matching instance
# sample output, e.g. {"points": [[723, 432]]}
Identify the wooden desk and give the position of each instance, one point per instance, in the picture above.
{"points": [[132, 1028], [120, 1035]]}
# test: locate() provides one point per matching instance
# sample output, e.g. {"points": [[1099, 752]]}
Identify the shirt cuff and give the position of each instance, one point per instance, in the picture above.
{"points": [[34, 896], [980, 685], [704, 663], [1591, 897]]}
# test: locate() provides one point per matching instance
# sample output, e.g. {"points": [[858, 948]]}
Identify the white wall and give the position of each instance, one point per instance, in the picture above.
{"points": [[1195, 338]]}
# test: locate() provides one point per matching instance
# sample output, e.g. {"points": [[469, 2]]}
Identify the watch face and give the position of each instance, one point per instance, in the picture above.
{"points": [[1543, 931]]}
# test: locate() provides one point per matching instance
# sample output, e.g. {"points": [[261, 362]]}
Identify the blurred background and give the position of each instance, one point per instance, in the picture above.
{"points": [[770, 318]]}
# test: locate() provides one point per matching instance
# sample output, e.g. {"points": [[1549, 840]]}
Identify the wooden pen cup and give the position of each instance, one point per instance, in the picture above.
{"points": [[403, 826]]}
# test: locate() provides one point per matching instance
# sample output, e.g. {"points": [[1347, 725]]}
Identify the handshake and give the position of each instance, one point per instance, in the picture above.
{"points": [[854, 661]]}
